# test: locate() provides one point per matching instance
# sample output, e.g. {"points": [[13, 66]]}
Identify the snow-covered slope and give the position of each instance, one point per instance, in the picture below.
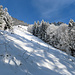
{"points": [[22, 53]]}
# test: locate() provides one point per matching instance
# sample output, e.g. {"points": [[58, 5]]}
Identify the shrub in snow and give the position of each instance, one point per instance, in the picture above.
{"points": [[30, 28]]}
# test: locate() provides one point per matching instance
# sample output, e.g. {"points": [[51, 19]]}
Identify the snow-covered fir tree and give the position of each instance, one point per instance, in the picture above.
{"points": [[5, 19], [71, 33], [60, 36]]}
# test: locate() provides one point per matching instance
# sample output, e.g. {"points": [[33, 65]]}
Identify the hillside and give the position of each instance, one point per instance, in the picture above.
{"points": [[22, 53], [18, 22]]}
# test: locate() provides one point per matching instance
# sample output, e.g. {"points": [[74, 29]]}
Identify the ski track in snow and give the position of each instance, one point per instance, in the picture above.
{"points": [[22, 53]]}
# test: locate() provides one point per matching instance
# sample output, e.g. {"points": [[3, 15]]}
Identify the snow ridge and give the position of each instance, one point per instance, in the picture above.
{"points": [[22, 53]]}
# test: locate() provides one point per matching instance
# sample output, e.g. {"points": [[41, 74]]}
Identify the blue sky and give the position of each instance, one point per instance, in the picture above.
{"points": [[34, 10]]}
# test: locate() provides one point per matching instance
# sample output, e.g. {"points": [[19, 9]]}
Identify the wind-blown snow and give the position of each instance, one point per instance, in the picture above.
{"points": [[22, 53]]}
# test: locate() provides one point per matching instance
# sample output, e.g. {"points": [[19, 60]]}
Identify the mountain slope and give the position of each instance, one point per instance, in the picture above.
{"points": [[22, 53], [18, 22]]}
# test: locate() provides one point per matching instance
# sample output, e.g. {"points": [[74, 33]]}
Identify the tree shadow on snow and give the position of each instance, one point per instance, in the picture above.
{"points": [[26, 61]]}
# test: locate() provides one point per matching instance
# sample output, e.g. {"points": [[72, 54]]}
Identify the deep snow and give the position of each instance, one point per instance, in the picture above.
{"points": [[22, 53]]}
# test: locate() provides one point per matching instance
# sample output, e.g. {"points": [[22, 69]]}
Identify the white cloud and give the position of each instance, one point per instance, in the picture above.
{"points": [[51, 7]]}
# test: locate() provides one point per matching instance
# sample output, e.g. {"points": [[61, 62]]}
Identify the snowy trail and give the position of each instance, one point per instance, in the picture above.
{"points": [[25, 54]]}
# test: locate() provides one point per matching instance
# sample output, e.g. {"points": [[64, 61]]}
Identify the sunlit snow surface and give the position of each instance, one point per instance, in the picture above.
{"points": [[22, 53]]}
